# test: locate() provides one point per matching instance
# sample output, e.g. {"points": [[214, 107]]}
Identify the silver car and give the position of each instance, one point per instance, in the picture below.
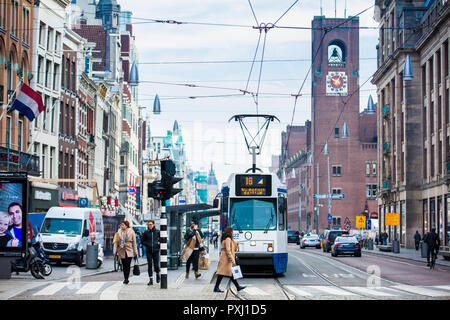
{"points": [[310, 241]]}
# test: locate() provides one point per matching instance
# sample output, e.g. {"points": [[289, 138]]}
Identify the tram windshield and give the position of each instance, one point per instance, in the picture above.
{"points": [[252, 214]]}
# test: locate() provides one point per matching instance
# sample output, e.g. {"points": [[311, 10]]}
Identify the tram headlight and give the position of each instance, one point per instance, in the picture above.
{"points": [[270, 247], [253, 243]]}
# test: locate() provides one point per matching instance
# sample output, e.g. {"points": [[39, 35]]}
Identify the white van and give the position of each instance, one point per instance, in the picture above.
{"points": [[66, 231]]}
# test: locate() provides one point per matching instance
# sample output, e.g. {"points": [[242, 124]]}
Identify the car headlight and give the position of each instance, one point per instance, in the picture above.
{"points": [[253, 243], [73, 246]]}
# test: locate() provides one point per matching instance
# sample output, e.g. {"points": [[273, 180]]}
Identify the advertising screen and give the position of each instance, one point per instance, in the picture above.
{"points": [[13, 212]]}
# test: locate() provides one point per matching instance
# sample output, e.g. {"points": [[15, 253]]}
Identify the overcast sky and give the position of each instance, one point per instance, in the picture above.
{"points": [[171, 53]]}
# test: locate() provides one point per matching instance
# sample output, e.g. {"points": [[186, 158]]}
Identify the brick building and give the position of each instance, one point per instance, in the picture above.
{"points": [[336, 121], [413, 118], [16, 52]]}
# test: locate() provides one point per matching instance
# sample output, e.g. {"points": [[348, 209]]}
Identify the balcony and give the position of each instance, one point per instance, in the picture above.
{"points": [[386, 110], [386, 147], [336, 65], [13, 160]]}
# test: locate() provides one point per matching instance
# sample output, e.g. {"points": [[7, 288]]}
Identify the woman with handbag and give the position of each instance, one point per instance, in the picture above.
{"points": [[125, 245], [227, 259], [193, 232]]}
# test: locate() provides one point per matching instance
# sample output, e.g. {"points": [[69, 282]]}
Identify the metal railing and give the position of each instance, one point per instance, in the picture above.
{"points": [[14, 160]]}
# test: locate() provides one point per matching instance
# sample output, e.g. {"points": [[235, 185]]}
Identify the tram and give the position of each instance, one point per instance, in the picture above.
{"points": [[254, 205]]}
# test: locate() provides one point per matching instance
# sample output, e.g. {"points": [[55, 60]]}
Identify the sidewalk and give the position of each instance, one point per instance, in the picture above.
{"points": [[410, 254]]}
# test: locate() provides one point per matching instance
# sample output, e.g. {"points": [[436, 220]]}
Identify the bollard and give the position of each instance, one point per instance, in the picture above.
{"points": [[91, 255], [424, 249], [369, 244], [396, 246], [163, 240]]}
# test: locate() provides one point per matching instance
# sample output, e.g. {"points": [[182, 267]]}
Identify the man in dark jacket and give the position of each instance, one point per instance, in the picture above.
{"points": [[150, 240], [432, 239], [417, 239]]}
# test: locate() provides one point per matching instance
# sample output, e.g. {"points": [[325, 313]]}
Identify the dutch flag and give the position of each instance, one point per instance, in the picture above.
{"points": [[28, 102]]}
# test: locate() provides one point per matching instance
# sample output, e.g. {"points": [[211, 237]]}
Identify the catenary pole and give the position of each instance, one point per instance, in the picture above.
{"points": [[163, 240]]}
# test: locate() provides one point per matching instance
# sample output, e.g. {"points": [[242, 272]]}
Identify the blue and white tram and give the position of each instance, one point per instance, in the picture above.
{"points": [[254, 205]]}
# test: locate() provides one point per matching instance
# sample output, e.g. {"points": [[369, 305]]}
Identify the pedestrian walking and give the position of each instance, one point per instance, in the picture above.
{"points": [[151, 241], [194, 232], [433, 241], [227, 259], [417, 239], [125, 246], [215, 239], [138, 241], [376, 239]]}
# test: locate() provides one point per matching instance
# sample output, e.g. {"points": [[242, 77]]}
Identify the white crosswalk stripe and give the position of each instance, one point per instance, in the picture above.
{"points": [[51, 289], [333, 291], [256, 291], [90, 288], [299, 291], [372, 291], [425, 291], [112, 292]]}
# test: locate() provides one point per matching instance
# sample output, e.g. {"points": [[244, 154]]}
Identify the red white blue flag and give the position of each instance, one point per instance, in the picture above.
{"points": [[28, 102]]}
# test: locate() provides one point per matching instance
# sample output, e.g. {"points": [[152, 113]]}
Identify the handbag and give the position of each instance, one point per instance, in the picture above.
{"points": [[136, 270], [203, 262], [188, 249], [236, 271]]}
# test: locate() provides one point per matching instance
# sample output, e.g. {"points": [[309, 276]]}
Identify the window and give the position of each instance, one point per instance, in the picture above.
{"points": [[39, 70], [337, 171], [2, 13], [44, 152], [52, 157], [371, 191], [55, 77], [49, 39], [14, 16], [336, 221], [41, 33], [337, 190], [47, 74], [25, 24], [8, 131], [72, 121], [122, 176], [374, 168], [57, 41], [74, 81], [44, 115], [67, 73], [66, 115], [19, 138], [336, 132], [368, 169], [52, 123]]}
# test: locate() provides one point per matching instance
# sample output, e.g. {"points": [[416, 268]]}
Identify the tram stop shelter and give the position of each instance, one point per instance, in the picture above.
{"points": [[178, 219]]}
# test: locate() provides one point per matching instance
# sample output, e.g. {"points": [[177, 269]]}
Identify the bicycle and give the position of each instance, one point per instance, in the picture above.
{"points": [[117, 263]]}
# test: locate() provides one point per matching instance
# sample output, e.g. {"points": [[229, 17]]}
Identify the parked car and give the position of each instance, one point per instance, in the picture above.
{"points": [[346, 244], [329, 237], [293, 236], [311, 240]]}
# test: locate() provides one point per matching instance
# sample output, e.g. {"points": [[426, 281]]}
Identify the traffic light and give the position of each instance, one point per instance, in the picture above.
{"points": [[168, 171], [156, 190]]}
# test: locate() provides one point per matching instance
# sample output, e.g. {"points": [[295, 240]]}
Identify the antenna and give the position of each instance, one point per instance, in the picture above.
{"points": [[335, 14], [321, 7], [345, 9]]}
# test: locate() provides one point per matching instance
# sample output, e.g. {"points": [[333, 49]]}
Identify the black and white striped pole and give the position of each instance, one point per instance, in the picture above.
{"points": [[163, 241]]}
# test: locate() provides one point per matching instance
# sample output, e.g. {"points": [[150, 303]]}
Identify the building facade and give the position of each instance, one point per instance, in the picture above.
{"points": [[413, 118]]}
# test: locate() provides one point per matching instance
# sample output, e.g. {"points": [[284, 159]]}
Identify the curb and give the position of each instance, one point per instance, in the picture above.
{"points": [[400, 257]]}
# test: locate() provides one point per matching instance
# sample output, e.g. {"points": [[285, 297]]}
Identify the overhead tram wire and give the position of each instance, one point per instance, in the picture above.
{"points": [[326, 30]]}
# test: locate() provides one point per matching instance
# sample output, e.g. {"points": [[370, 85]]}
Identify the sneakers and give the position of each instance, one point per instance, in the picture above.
{"points": [[150, 282], [158, 278]]}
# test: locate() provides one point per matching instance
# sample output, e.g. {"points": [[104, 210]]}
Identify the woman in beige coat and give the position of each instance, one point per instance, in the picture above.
{"points": [[125, 245], [227, 259]]}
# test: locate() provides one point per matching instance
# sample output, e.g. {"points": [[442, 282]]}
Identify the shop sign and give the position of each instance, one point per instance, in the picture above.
{"points": [[42, 195], [70, 196]]}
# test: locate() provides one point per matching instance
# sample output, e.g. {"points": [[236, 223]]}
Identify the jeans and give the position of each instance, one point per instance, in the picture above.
{"points": [[138, 245], [429, 251], [126, 264], [153, 256], [194, 259]]}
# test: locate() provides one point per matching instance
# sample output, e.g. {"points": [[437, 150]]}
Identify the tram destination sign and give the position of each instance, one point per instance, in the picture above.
{"points": [[253, 185]]}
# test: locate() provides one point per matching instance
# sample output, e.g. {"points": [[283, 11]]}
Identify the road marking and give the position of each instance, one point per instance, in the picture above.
{"points": [[445, 287], [370, 291], [51, 289], [298, 291], [305, 275], [256, 291], [90, 288], [334, 291], [421, 291], [112, 292]]}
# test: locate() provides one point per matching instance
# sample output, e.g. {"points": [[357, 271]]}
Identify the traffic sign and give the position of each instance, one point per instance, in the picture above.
{"points": [[392, 219], [360, 222], [329, 195], [320, 196], [330, 217], [132, 190], [347, 227], [347, 220], [368, 224], [338, 196], [84, 202]]}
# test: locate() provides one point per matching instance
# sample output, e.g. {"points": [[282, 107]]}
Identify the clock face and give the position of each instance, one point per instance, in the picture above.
{"points": [[336, 84]]}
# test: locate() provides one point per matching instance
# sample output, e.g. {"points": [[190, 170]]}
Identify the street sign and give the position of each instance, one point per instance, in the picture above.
{"points": [[392, 219], [84, 202], [338, 196], [347, 220], [182, 200], [329, 195], [347, 227], [320, 196], [360, 222], [132, 190], [368, 224], [330, 217]]}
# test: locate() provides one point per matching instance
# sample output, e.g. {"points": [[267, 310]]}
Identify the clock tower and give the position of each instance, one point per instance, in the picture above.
{"points": [[336, 120]]}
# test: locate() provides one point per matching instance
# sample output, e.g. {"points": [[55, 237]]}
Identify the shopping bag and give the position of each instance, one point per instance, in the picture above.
{"points": [[203, 263], [136, 270], [236, 271], [188, 249]]}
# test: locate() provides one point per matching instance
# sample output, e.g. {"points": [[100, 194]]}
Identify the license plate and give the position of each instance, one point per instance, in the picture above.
{"points": [[52, 256]]}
